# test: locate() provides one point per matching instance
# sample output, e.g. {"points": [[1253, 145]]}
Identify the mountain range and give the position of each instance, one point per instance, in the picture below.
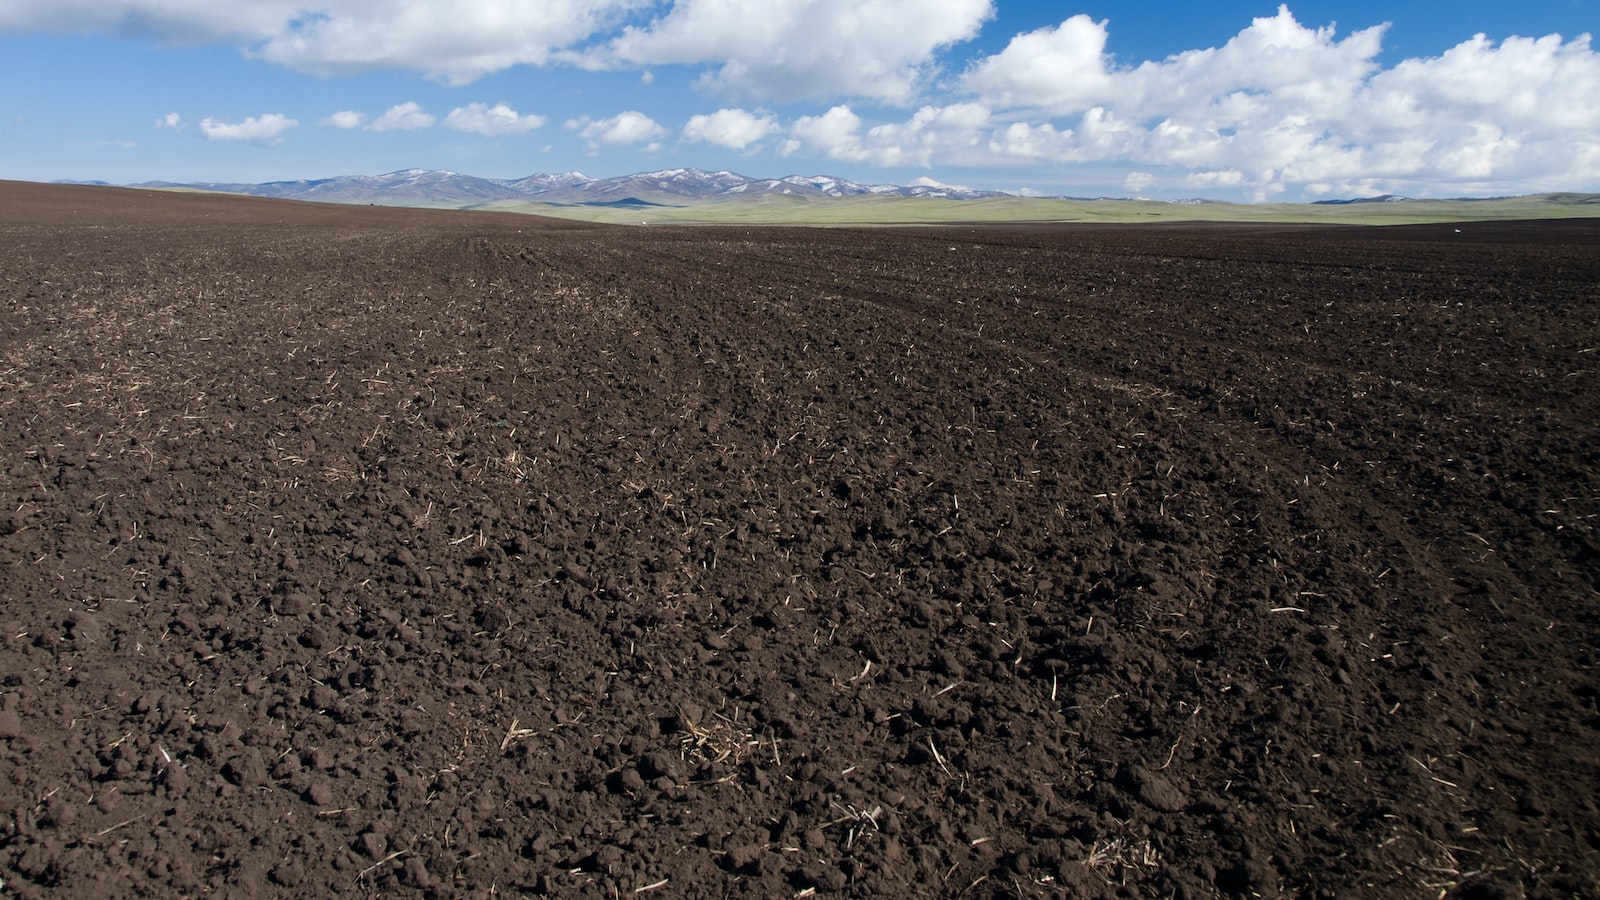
{"points": [[682, 188], [435, 187]]}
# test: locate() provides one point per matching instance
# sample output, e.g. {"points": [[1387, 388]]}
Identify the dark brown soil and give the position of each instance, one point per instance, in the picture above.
{"points": [[357, 550]]}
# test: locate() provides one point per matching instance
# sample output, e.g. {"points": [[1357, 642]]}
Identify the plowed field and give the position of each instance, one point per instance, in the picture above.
{"points": [[352, 550]]}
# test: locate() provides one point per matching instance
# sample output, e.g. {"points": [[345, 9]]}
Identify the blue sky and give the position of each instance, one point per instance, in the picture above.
{"points": [[1229, 100]]}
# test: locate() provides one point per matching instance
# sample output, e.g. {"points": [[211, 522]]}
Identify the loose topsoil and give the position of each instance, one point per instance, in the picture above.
{"points": [[350, 550]]}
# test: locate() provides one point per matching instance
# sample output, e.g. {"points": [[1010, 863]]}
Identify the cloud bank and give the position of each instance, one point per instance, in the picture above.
{"points": [[879, 49], [1284, 105], [454, 42]]}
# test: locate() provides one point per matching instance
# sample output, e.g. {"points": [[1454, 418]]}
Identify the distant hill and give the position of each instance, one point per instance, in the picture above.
{"points": [[1556, 199], [1382, 198], [434, 187]]}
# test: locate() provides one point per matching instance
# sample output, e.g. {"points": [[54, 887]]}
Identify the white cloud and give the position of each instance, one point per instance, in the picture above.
{"points": [[491, 121], [1523, 83], [631, 127], [266, 130], [1022, 140], [345, 118], [1050, 68], [943, 133], [836, 134], [735, 129], [1065, 70], [792, 49], [170, 120], [452, 41], [403, 117]]}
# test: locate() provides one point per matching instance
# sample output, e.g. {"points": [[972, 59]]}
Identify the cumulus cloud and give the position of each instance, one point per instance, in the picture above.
{"points": [[266, 130], [836, 134], [491, 121], [345, 118], [1065, 70], [170, 120], [794, 49], [1050, 68], [631, 127], [403, 117], [735, 129], [1025, 140]]}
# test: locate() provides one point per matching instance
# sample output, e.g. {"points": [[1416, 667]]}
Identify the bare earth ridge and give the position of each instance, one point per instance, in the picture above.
{"points": [[349, 550]]}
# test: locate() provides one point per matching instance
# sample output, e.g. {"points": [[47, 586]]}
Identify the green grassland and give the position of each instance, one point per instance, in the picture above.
{"points": [[882, 210]]}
